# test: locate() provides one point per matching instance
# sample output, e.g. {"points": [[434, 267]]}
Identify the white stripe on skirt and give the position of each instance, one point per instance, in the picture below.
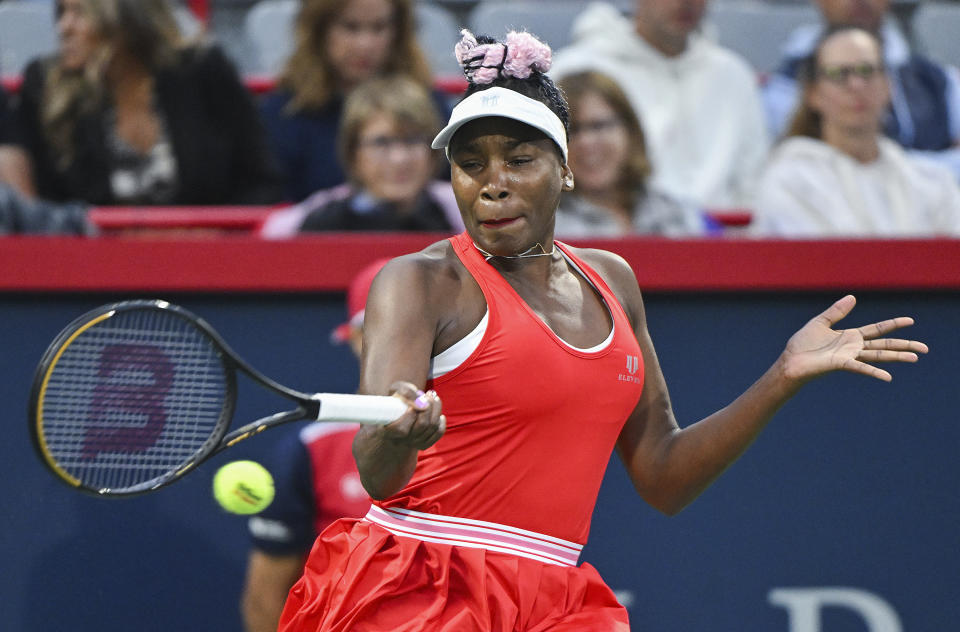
{"points": [[476, 534]]}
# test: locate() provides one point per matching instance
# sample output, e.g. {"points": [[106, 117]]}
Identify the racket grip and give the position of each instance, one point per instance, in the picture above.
{"points": [[365, 409]]}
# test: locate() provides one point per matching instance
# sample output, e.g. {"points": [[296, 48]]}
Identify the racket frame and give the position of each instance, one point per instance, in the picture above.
{"points": [[308, 405]]}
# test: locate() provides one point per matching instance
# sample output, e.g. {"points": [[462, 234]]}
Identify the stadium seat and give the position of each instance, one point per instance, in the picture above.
{"points": [[549, 20], [936, 30], [757, 29], [26, 31], [190, 26], [268, 26], [438, 32]]}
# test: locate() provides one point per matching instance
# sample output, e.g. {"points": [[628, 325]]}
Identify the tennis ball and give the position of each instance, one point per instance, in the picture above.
{"points": [[243, 487]]}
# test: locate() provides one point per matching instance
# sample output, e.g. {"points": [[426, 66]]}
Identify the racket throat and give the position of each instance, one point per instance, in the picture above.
{"points": [[311, 408]]}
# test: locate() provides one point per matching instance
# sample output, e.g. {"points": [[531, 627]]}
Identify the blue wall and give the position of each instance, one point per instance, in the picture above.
{"points": [[854, 484]]}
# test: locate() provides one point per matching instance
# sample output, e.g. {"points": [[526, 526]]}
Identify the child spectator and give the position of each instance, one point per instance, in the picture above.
{"points": [[384, 142]]}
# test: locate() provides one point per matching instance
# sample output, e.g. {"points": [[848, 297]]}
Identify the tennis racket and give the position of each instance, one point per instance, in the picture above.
{"points": [[132, 396]]}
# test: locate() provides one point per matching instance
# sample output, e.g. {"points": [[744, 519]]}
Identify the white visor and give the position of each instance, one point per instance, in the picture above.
{"points": [[508, 104]]}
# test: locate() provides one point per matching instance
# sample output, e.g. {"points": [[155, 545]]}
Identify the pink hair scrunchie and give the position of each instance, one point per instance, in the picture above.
{"points": [[518, 57]]}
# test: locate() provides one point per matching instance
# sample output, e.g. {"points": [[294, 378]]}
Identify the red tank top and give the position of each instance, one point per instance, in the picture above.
{"points": [[531, 421]]}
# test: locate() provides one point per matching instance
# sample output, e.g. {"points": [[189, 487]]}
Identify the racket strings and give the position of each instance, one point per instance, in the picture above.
{"points": [[132, 398]]}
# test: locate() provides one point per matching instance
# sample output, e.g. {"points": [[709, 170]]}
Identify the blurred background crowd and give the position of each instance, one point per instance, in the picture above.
{"points": [[797, 119], [766, 118]]}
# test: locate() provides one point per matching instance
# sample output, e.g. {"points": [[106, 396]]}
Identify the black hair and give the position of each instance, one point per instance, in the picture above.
{"points": [[538, 86]]}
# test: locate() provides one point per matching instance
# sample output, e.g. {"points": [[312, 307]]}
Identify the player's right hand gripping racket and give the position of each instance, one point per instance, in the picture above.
{"points": [[132, 396]]}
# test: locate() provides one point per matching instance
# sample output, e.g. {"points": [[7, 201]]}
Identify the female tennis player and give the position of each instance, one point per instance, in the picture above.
{"points": [[540, 354]]}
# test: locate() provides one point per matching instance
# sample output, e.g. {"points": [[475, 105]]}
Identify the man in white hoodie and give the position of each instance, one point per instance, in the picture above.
{"points": [[699, 104]]}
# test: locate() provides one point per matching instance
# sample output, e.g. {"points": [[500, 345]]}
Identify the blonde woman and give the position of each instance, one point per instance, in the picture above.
{"points": [[836, 175], [339, 44], [126, 112]]}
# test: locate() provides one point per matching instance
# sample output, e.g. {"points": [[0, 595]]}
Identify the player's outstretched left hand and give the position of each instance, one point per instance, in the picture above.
{"points": [[818, 348]]}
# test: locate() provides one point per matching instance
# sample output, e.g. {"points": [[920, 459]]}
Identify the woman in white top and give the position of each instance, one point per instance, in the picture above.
{"points": [[835, 174]]}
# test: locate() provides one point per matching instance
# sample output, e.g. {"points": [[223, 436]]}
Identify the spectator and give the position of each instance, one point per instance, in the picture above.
{"points": [[384, 141], [127, 113], [6, 126], [22, 215], [699, 103], [608, 156], [339, 44], [924, 110], [316, 483], [836, 174], [14, 164], [6, 135]]}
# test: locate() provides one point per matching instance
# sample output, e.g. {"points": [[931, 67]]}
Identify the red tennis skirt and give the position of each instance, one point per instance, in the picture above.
{"points": [[360, 577]]}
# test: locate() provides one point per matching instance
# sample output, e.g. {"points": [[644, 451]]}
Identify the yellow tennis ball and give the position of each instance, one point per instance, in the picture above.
{"points": [[243, 487]]}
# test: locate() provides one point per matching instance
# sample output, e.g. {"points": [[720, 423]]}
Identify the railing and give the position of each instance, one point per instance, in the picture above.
{"points": [[180, 260], [127, 219], [179, 219]]}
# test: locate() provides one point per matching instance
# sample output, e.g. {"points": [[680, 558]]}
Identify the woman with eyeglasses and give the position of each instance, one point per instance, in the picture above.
{"points": [[835, 174], [384, 144], [612, 195]]}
